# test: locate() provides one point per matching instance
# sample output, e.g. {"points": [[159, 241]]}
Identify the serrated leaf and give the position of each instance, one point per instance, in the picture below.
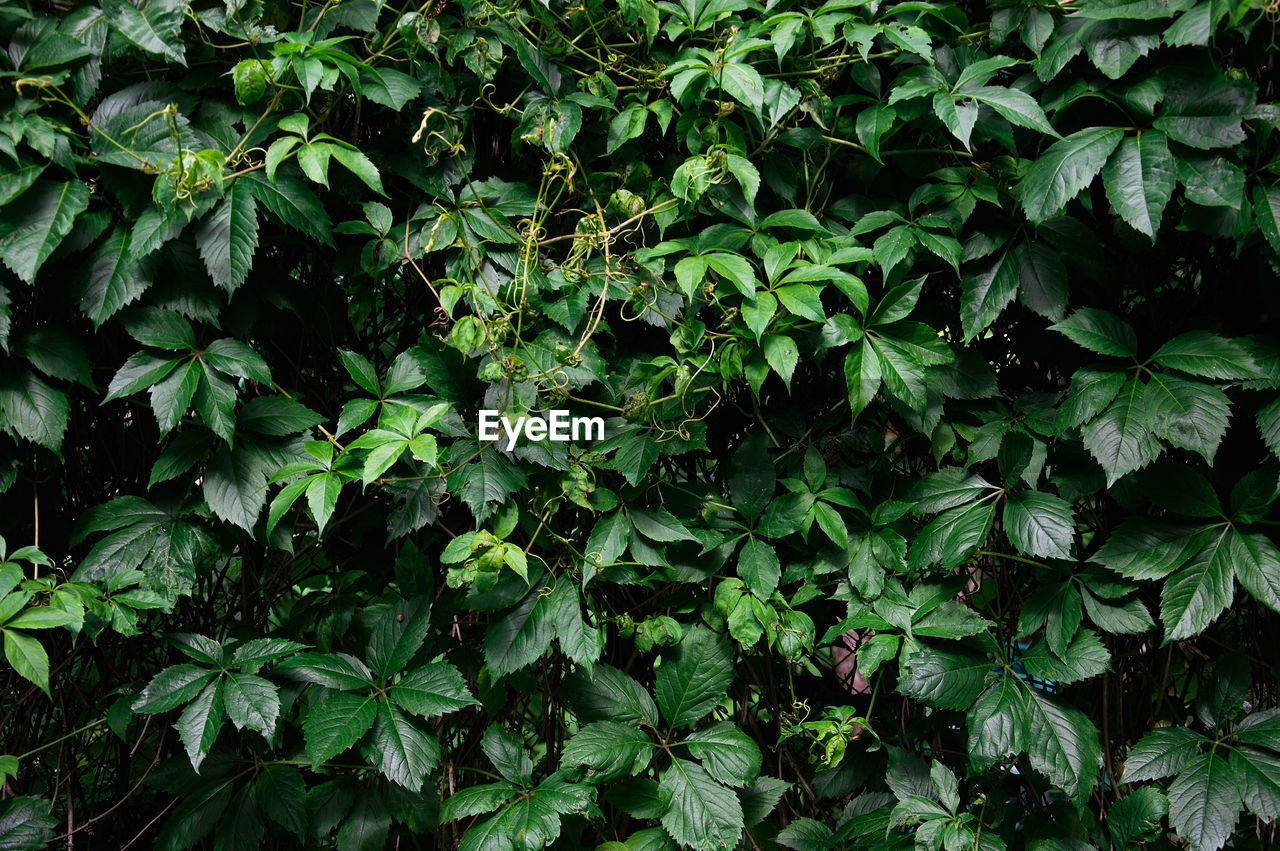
{"points": [[695, 679], [1062, 744], [336, 724], [1139, 179], [1039, 524], [228, 237], [1198, 592], [1204, 802], [34, 225], [703, 815], [405, 754], [434, 689], [1064, 169]]}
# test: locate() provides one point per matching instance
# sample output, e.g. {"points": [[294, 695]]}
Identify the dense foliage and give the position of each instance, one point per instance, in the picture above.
{"points": [[937, 496]]}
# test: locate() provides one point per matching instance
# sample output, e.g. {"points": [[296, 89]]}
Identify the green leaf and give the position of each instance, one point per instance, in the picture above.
{"points": [[1015, 106], [235, 358], [1139, 179], [1257, 566], [1142, 548], [1062, 744], [508, 754], [1137, 816], [405, 754], [943, 678], [1127, 618], [609, 694], [200, 722], [625, 126], [1121, 438], [1203, 110], [277, 416], [759, 567], [33, 410], [1211, 181], [251, 702], [1188, 414], [228, 237], [1197, 593], [703, 814], [862, 375], [1258, 779], [997, 723], [1065, 168], [27, 657], [1204, 802], [282, 794], [1084, 658], [1039, 524], [521, 637], [336, 724], [1160, 753], [1266, 212], [171, 688], [33, 226], [112, 279], [984, 296], [154, 27], [291, 202], [659, 525], [1206, 355], [1099, 331], [331, 670], [610, 749], [359, 165], [434, 689], [26, 824], [736, 269], [728, 754], [694, 680], [782, 355], [388, 87], [235, 487]]}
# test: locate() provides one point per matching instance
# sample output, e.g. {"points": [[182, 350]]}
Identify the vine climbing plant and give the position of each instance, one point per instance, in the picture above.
{"points": [[933, 346]]}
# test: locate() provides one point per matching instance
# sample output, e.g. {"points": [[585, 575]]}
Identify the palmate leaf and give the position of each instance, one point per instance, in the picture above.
{"points": [[521, 637], [152, 26]]}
